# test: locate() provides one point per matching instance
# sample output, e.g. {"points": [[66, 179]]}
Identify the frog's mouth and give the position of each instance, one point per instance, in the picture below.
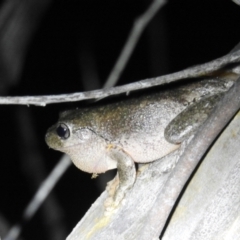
{"points": [[65, 149]]}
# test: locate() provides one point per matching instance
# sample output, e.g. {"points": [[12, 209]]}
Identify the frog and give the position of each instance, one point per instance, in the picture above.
{"points": [[139, 129]]}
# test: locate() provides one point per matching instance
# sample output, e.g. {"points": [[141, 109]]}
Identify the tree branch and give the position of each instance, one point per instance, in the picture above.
{"points": [[193, 72], [131, 42]]}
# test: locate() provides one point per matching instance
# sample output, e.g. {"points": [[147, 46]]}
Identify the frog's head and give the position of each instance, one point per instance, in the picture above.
{"points": [[87, 149]]}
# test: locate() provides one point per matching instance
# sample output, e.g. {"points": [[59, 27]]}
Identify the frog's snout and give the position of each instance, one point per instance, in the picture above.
{"points": [[50, 137], [47, 137]]}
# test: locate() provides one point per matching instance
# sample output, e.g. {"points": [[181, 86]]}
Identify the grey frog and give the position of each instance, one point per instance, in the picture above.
{"points": [[141, 129]]}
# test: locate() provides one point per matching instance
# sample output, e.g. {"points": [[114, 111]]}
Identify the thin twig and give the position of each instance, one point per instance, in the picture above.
{"points": [[136, 32], [196, 71], [237, 2], [40, 196]]}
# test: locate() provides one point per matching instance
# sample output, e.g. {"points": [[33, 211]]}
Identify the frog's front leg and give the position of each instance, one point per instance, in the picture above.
{"points": [[123, 181]]}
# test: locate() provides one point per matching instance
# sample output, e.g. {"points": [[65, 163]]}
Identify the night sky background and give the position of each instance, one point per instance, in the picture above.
{"points": [[74, 41]]}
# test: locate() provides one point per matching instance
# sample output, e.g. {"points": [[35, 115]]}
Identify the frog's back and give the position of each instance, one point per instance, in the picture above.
{"points": [[137, 124]]}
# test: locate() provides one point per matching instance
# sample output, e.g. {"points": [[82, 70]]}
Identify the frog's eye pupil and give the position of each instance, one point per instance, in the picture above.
{"points": [[63, 131]]}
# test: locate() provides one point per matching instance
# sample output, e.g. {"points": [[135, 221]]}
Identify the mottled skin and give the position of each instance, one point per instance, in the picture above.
{"points": [[141, 130]]}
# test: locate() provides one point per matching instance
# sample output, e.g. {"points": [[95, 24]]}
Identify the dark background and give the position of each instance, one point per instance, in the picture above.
{"points": [[76, 39]]}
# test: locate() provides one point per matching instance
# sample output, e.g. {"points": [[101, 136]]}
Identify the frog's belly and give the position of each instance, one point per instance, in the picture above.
{"points": [[148, 148]]}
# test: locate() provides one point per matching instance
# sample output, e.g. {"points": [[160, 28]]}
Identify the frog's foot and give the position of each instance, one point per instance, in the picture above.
{"points": [[124, 180], [112, 202], [111, 188], [112, 185], [109, 205], [115, 197]]}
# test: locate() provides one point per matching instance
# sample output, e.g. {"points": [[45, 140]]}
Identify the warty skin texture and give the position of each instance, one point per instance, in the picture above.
{"points": [[141, 129], [134, 126]]}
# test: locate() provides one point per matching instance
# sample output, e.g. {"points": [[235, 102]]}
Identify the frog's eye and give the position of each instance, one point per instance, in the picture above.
{"points": [[63, 131]]}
